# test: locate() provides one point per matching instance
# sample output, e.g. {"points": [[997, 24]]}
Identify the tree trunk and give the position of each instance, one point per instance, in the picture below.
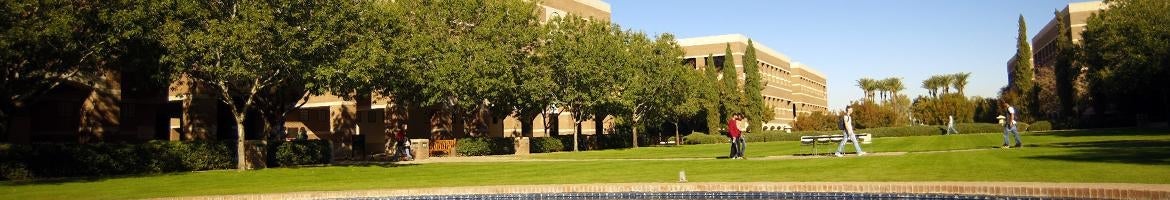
{"points": [[677, 139], [634, 135], [241, 156], [526, 125], [575, 134], [599, 124], [4, 125]]}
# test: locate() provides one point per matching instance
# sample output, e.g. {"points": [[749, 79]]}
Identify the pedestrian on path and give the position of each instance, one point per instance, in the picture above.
{"points": [[402, 144], [847, 126], [951, 125], [734, 132], [1010, 126]]}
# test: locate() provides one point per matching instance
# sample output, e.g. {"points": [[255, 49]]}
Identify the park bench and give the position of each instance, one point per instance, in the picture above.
{"points": [[444, 147], [814, 140]]}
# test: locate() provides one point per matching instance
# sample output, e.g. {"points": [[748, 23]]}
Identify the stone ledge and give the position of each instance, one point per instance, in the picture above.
{"points": [[1024, 189]]}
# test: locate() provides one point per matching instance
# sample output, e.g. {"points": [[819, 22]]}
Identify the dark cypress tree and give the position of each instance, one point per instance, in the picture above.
{"points": [[752, 88], [730, 93], [712, 96]]}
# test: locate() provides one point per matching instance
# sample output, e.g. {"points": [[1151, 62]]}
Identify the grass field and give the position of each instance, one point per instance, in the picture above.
{"points": [[1114, 156]]}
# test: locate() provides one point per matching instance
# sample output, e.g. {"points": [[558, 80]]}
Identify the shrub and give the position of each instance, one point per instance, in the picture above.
{"points": [[702, 138], [72, 160], [1040, 126], [545, 144], [480, 146], [816, 121], [300, 152]]}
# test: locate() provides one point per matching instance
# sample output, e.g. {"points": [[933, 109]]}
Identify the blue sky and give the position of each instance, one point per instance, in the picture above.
{"points": [[848, 40]]}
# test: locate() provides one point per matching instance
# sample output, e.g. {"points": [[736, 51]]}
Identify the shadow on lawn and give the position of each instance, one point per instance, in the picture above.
{"points": [[1148, 152], [1111, 132]]}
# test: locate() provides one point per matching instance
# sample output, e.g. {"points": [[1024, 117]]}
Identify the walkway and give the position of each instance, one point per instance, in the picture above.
{"points": [[515, 158]]}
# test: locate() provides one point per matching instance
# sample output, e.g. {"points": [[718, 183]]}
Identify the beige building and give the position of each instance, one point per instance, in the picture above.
{"points": [[1076, 17], [791, 88]]}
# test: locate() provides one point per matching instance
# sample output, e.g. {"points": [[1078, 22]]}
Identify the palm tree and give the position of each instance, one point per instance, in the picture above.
{"points": [[945, 82], [893, 85], [960, 81], [868, 85], [931, 85]]}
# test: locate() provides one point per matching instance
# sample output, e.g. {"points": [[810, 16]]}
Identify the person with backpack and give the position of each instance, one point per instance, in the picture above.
{"points": [[846, 125]]}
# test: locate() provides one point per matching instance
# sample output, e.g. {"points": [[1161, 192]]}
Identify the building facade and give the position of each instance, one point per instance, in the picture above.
{"points": [[790, 88]]}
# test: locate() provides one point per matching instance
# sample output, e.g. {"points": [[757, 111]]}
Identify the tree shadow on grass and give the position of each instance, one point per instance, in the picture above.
{"points": [[64, 180], [1146, 152], [1111, 132]]}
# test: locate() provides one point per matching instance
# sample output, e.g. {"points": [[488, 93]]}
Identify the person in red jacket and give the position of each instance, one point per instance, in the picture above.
{"points": [[736, 137]]}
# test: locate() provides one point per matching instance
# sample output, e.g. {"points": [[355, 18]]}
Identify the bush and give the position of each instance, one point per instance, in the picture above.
{"points": [[1040, 126], [481, 146], [300, 152], [545, 144], [702, 138], [816, 121], [19, 162]]}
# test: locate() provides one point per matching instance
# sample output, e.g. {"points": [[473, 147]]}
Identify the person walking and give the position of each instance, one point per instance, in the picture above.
{"points": [[847, 124], [742, 124], [951, 125], [402, 143], [1010, 126], [733, 132]]}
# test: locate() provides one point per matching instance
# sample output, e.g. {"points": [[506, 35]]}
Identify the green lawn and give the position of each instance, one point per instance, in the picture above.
{"points": [[1127, 156]]}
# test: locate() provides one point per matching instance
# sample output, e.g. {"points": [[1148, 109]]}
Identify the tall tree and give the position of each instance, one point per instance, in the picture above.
{"points": [[46, 43], [240, 49], [657, 86], [711, 82], [731, 93], [1021, 77], [959, 81], [584, 55], [1065, 72], [752, 88], [945, 82], [1127, 50], [868, 86]]}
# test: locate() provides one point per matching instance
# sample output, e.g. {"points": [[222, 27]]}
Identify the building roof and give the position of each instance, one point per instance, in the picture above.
{"points": [[729, 38]]}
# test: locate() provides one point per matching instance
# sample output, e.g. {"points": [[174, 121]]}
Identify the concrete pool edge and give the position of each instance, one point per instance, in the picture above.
{"points": [[1023, 189]]}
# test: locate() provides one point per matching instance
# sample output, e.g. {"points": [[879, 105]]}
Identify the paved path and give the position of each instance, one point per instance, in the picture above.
{"points": [[515, 158], [1030, 189]]}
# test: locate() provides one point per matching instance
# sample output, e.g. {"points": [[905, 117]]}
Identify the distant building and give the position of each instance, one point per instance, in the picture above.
{"points": [[790, 87], [1044, 42]]}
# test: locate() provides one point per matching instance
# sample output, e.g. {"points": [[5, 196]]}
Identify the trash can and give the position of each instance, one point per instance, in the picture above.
{"points": [[421, 148]]}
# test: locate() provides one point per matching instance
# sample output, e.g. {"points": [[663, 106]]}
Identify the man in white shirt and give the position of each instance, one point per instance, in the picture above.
{"points": [[849, 136], [951, 125], [1010, 126]]}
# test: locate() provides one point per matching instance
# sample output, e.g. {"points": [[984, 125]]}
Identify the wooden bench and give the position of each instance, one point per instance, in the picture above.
{"points": [[444, 147], [814, 140]]}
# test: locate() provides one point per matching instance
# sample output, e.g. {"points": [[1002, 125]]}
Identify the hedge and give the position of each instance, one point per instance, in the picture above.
{"points": [[702, 138], [1040, 126], [300, 152], [613, 140], [19, 162], [545, 144], [480, 146]]}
